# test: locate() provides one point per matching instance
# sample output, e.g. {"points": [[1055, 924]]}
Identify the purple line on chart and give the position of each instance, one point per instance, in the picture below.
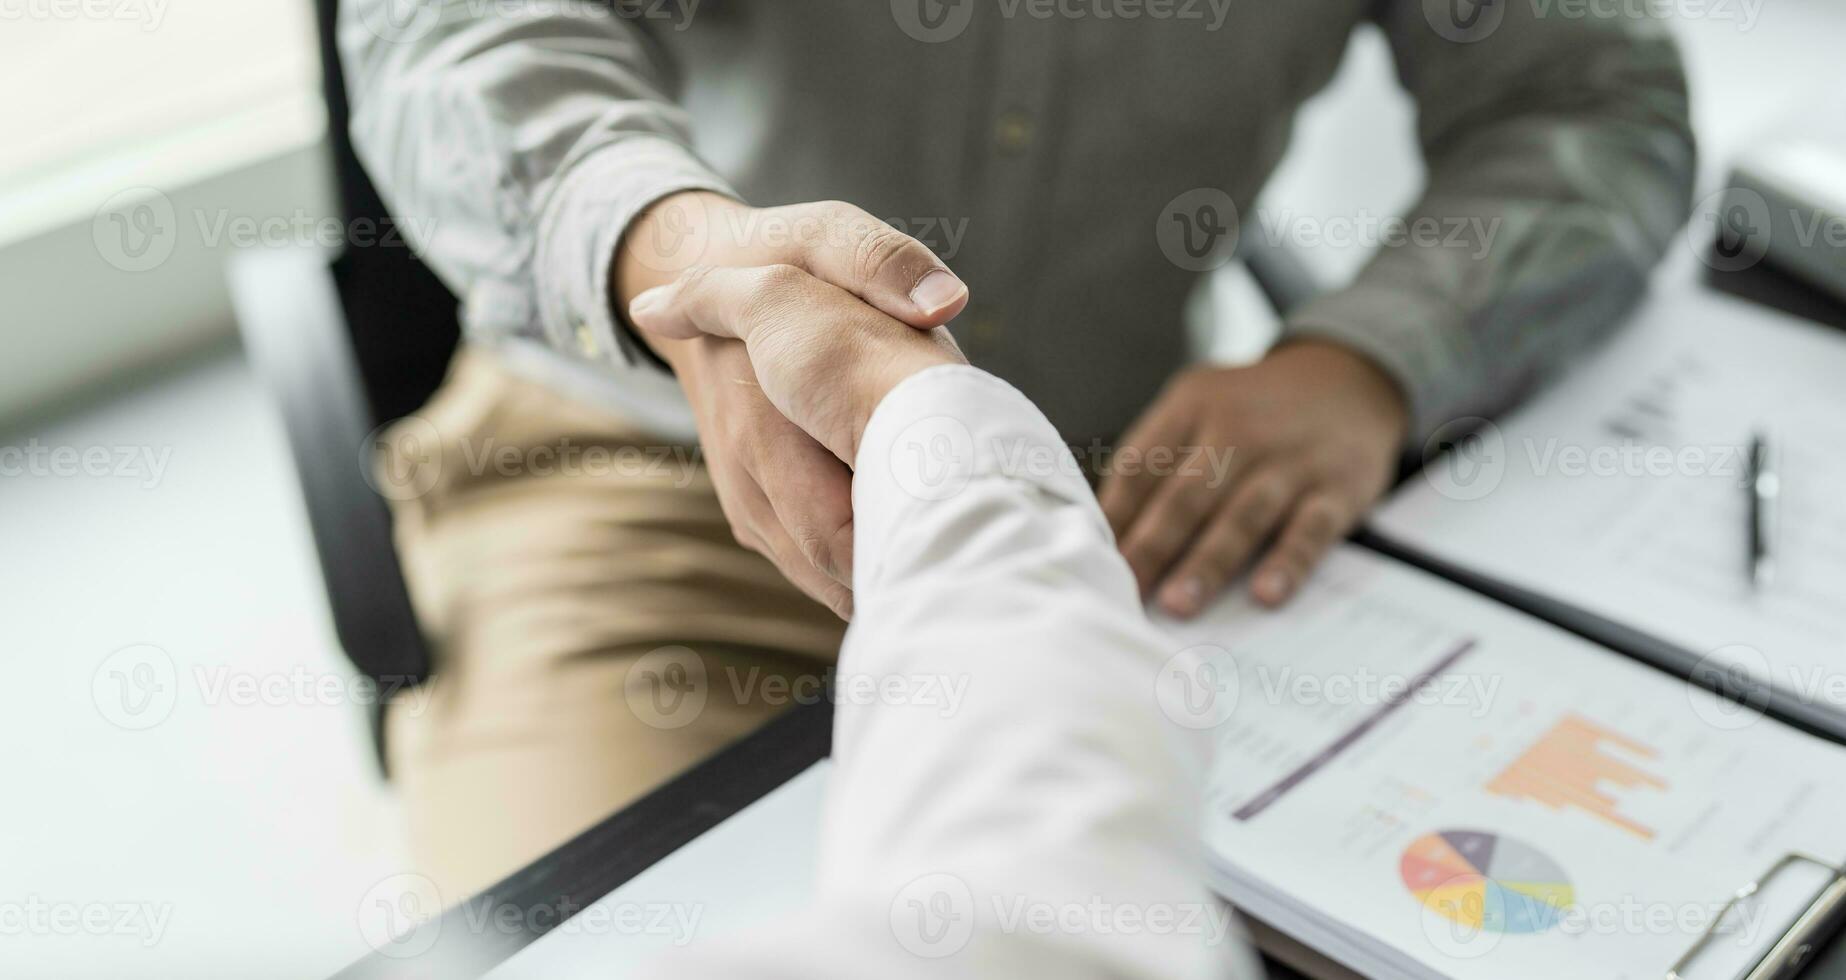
{"points": [[1262, 801]]}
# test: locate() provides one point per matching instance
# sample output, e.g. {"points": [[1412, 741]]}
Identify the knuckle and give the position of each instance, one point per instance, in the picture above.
{"points": [[1321, 519], [780, 277], [1160, 547], [1295, 559], [1190, 504], [812, 543], [771, 292], [693, 279], [1230, 541], [839, 212], [1212, 565], [1261, 502], [846, 218], [878, 248]]}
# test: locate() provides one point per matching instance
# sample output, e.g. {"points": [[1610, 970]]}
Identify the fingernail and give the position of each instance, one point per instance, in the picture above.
{"points": [[1272, 586], [646, 304], [937, 292], [1182, 598]]}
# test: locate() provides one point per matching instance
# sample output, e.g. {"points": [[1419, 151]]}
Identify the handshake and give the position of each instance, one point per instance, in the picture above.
{"points": [[787, 326], [784, 353]]}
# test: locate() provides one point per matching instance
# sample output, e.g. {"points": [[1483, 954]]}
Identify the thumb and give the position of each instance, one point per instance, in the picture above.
{"points": [[886, 268], [652, 312]]}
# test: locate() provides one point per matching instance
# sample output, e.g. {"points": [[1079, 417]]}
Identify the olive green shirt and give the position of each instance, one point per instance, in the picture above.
{"points": [[1075, 161]]}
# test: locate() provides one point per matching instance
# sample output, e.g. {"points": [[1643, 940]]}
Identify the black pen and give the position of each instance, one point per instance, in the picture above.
{"points": [[1765, 485]]}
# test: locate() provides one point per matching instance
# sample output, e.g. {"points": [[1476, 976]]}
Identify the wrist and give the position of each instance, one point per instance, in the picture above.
{"points": [[670, 236], [1353, 371]]}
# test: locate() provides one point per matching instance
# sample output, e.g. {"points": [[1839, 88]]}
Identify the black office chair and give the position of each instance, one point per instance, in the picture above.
{"points": [[347, 342]]}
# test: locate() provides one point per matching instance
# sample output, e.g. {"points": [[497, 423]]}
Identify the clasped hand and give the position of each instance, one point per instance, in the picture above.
{"points": [[784, 352]]}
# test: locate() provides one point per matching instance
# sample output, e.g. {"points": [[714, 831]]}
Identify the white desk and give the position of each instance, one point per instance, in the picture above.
{"points": [[760, 862], [745, 871]]}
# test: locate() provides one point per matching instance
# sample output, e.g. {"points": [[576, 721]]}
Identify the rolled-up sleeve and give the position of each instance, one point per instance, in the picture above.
{"points": [[514, 145], [1561, 163]]}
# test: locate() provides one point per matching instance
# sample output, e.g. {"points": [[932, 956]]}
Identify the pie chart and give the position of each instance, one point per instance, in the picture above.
{"points": [[1484, 881]]}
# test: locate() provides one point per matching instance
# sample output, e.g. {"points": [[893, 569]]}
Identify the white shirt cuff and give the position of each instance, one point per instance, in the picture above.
{"points": [[940, 432]]}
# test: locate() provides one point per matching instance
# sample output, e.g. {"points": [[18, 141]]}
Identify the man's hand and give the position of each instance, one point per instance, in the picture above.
{"points": [[786, 495], [1313, 432], [823, 358]]}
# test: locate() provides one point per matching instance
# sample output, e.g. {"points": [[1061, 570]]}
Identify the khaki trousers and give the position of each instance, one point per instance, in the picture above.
{"points": [[595, 626]]}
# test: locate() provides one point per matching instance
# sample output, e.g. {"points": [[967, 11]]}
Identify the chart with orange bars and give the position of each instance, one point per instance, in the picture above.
{"points": [[1568, 767]]}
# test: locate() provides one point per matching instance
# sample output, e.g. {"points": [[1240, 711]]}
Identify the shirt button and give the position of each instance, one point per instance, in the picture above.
{"points": [[1013, 131], [586, 338]]}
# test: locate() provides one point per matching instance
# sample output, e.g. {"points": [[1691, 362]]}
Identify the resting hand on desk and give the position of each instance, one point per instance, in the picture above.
{"points": [[1313, 432]]}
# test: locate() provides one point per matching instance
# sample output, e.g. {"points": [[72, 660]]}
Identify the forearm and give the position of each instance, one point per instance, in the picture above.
{"points": [[666, 238], [1055, 778], [516, 149], [1561, 163]]}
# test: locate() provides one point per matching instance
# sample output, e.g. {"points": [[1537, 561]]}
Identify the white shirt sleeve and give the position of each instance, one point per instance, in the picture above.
{"points": [[1007, 797]]}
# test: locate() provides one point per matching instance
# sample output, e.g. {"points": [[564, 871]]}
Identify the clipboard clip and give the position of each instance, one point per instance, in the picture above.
{"points": [[1790, 952]]}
